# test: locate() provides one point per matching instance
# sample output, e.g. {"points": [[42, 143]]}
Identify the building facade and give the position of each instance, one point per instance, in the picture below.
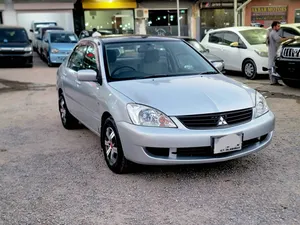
{"points": [[266, 11], [25, 12]]}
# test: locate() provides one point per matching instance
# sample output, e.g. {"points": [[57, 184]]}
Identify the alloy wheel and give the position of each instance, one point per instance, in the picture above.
{"points": [[63, 110], [249, 69], [111, 149]]}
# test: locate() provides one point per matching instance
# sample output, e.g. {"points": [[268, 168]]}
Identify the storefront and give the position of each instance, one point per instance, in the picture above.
{"points": [[115, 17], [264, 12], [214, 15], [163, 19]]}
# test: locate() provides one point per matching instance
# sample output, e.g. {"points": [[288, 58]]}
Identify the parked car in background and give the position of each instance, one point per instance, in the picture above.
{"points": [[215, 60], [166, 106], [34, 30], [242, 49], [57, 45], [288, 30], [15, 46], [88, 33], [41, 34], [287, 63]]}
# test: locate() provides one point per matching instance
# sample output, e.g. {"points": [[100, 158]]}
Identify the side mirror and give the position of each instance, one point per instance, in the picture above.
{"points": [[87, 75], [31, 30], [234, 44]]}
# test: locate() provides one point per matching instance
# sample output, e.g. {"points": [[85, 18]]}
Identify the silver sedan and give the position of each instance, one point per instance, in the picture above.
{"points": [[158, 101]]}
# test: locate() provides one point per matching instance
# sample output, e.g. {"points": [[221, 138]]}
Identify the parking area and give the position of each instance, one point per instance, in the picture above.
{"points": [[53, 176]]}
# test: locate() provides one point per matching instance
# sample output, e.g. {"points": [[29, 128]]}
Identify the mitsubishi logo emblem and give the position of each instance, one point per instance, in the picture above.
{"points": [[295, 51], [222, 121]]}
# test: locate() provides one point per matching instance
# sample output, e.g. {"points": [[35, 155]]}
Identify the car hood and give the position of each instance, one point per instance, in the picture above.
{"points": [[188, 95], [261, 47], [211, 57], [63, 46]]}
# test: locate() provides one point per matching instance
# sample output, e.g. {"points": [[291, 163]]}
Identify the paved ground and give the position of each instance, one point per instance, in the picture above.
{"points": [[52, 176]]}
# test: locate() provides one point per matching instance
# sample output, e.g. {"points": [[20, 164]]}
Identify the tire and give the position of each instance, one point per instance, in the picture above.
{"points": [[249, 69], [112, 148], [49, 63], [68, 120], [292, 83]]}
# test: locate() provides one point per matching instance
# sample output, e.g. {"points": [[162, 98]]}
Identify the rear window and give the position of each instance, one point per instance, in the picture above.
{"points": [[13, 36]]}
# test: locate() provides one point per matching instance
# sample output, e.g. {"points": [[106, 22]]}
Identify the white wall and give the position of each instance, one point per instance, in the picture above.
{"points": [[64, 18]]}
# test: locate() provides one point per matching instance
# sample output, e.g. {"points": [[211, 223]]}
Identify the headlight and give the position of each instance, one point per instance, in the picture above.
{"points": [[54, 50], [262, 54], [28, 49], [279, 51], [145, 116], [261, 106], [219, 65]]}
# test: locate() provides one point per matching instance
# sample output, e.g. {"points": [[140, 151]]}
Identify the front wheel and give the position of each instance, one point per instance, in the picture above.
{"points": [[249, 69], [292, 83], [112, 148], [68, 120]]}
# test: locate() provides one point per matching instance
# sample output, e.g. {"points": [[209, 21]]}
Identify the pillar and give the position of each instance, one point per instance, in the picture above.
{"points": [[9, 15]]}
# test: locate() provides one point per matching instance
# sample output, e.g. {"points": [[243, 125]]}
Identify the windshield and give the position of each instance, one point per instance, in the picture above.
{"points": [[197, 45], [13, 36], [37, 26], [255, 36], [63, 38], [141, 60]]}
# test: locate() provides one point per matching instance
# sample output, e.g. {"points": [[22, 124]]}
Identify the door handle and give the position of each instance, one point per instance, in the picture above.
{"points": [[78, 82]]}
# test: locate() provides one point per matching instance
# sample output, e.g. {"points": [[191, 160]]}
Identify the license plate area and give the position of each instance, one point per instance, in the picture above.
{"points": [[228, 143]]}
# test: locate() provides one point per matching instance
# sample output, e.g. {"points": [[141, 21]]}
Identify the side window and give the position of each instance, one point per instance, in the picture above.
{"points": [[90, 58], [229, 38], [76, 59], [216, 38]]}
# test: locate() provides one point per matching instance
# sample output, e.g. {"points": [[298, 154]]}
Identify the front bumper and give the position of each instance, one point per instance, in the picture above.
{"points": [[262, 63], [156, 146], [288, 69], [26, 58], [57, 57]]}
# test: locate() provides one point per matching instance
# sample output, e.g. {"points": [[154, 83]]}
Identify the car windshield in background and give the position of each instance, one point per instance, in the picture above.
{"points": [[255, 36], [142, 60], [63, 38], [13, 36], [197, 45]]}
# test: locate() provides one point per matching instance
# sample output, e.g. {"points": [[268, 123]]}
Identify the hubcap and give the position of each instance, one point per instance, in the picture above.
{"points": [[249, 69], [63, 111], [111, 150]]}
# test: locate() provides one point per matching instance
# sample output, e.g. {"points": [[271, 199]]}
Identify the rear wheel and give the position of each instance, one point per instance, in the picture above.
{"points": [[50, 64], [68, 120], [112, 148], [249, 69], [292, 83]]}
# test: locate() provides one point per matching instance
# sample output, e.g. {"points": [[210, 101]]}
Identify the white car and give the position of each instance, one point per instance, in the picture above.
{"points": [[242, 49], [289, 30]]}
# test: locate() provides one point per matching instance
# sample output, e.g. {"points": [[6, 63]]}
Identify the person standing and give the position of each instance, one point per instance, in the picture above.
{"points": [[95, 33], [273, 42]]}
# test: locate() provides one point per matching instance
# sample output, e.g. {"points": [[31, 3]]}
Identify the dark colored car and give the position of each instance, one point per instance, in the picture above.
{"points": [[215, 60], [287, 63], [15, 46]]}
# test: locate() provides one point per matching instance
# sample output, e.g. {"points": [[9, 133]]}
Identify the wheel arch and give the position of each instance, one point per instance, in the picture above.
{"points": [[248, 58]]}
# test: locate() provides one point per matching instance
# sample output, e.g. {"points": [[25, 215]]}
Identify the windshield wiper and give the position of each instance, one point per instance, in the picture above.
{"points": [[209, 72], [155, 76]]}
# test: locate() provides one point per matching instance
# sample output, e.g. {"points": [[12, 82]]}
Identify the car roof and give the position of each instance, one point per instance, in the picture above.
{"points": [[129, 38], [43, 28], [60, 31], [242, 28], [10, 27]]}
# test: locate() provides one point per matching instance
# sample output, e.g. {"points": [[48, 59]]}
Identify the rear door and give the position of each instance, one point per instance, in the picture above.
{"points": [[215, 44]]}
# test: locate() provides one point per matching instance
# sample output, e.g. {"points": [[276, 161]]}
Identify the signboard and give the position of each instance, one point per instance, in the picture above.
{"points": [[268, 14], [297, 16]]}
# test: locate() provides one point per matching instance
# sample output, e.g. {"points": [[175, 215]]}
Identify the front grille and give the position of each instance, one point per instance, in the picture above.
{"points": [[215, 119], [291, 53], [12, 52]]}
